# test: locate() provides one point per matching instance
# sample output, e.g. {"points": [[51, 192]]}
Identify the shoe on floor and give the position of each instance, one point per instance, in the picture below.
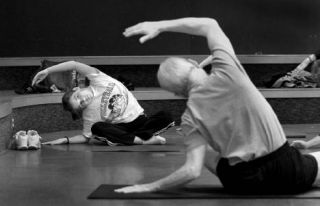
{"points": [[21, 140], [33, 140]]}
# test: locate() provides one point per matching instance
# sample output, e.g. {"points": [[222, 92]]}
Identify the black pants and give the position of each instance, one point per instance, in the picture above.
{"points": [[285, 170], [124, 133]]}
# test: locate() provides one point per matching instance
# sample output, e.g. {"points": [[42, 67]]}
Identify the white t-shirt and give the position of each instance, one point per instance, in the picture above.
{"points": [[112, 103], [231, 114]]}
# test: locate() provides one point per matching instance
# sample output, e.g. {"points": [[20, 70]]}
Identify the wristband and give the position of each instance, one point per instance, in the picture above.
{"points": [[68, 141]]}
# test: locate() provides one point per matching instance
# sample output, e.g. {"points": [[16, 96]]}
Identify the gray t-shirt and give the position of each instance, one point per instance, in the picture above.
{"points": [[231, 114]]}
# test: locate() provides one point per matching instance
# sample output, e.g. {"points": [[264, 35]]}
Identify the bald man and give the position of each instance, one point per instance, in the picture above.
{"points": [[227, 112]]}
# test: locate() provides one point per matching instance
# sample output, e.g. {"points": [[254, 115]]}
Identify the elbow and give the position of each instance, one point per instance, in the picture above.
{"points": [[208, 26], [211, 23], [73, 65], [72, 62]]}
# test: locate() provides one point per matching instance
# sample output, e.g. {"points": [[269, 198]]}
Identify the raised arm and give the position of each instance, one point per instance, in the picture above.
{"points": [[65, 66], [206, 27]]}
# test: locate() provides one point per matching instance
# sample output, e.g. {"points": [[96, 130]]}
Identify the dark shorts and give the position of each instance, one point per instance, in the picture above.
{"points": [[285, 170]]}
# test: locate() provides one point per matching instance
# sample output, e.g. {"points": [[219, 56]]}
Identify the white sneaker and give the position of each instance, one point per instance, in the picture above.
{"points": [[33, 140], [21, 139]]}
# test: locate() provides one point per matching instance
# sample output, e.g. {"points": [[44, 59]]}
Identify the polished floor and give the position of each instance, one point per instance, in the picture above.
{"points": [[67, 174]]}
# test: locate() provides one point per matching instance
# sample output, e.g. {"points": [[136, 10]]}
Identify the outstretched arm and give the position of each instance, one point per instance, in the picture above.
{"points": [[206, 27], [189, 171], [65, 66], [312, 143], [77, 139], [81, 138]]}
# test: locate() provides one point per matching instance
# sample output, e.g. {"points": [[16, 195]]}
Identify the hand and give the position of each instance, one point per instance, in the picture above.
{"points": [[149, 30], [136, 189], [300, 144], [55, 142], [40, 76]]}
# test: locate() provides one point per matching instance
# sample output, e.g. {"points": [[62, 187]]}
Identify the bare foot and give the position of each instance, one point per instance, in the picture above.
{"points": [[156, 140]]}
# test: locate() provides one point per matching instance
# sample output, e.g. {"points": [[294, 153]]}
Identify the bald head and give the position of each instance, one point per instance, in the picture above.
{"points": [[173, 75]]}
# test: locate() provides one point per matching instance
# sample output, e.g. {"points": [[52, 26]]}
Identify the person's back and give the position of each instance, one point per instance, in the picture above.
{"points": [[232, 114]]}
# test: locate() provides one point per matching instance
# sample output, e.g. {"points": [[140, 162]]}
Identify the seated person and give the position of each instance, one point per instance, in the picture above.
{"points": [[228, 113], [109, 110]]}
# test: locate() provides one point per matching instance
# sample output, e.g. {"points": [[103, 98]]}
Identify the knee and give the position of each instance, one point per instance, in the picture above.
{"points": [[98, 127]]}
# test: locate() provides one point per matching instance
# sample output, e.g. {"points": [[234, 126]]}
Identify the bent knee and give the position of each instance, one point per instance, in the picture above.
{"points": [[98, 127]]}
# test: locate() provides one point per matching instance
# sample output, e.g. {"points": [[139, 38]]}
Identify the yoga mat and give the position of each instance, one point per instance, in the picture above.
{"points": [[105, 191], [139, 148]]}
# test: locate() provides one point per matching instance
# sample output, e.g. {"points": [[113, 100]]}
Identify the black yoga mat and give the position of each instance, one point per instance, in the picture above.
{"points": [[139, 148], [105, 191], [152, 148], [298, 136]]}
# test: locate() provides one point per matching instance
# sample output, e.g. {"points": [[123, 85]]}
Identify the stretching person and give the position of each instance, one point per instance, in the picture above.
{"points": [[109, 110], [226, 111]]}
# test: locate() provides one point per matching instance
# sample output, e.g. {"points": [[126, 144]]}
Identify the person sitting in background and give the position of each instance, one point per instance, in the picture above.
{"points": [[109, 110], [305, 75]]}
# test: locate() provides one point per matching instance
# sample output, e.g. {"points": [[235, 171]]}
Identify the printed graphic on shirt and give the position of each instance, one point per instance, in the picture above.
{"points": [[117, 105], [112, 105]]}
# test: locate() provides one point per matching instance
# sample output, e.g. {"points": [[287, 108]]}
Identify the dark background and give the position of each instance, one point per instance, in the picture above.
{"points": [[94, 28]]}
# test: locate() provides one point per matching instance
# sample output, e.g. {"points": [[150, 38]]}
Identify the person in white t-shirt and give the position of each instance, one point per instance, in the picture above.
{"points": [[250, 152], [109, 111]]}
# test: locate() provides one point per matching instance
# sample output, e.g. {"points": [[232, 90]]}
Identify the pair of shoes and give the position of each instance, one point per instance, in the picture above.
{"points": [[172, 124], [27, 140]]}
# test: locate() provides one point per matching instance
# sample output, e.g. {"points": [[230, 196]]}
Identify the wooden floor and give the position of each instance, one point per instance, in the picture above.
{"points": [[67, 174]]}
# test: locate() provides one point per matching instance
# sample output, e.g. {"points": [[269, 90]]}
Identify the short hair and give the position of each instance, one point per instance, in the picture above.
{"points": [[76, 113], [173, 74]]}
